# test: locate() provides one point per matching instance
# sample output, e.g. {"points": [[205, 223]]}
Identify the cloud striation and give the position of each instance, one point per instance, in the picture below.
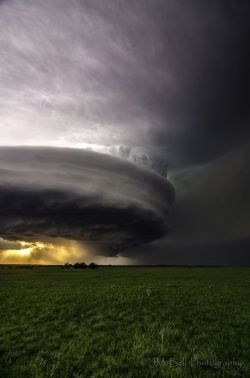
{"points": [[48, 192]]}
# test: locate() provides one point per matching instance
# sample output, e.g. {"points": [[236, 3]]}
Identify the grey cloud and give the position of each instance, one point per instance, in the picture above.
{"points": [[213, 202], [81, 195], [7, 244], [163, 84], [149, 157], [171, 73], [210, 221], [232, 253]]}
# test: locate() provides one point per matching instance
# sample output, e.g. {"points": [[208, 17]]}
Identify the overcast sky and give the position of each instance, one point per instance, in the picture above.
{"points": [[163, 84]]}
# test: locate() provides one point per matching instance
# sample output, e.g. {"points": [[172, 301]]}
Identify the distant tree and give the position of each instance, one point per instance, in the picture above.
{"points": [[67, 265], [81, 265], [93, 266]]}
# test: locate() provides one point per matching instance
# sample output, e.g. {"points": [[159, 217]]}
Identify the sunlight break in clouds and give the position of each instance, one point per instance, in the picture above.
{"points": [[56, 251]]}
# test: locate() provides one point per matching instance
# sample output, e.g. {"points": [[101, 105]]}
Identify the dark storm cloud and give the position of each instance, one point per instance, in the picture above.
{"points": [[213, 200], [80, 195], [232, 253], [210, 220], [163, 72], [150, 157], [158, 83]]}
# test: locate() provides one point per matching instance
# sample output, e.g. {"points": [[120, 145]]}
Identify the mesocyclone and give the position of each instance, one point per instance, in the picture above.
{"points": [[83, 195]]}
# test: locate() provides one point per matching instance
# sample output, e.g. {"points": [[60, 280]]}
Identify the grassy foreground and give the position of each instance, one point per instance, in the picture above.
{"points": [[125, 322]]}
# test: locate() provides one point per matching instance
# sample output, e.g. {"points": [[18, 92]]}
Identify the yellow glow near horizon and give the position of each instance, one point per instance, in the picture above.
{"points": [[30, 247], [26, 253], [57, 251], [44, 252]]}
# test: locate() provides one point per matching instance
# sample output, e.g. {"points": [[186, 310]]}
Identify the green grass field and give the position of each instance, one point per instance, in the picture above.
{"points": [[125, 322]]}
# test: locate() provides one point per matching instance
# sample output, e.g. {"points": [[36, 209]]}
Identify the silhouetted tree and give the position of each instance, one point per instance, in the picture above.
{"points": [[67, 265], [81, 265], [93, 266]]}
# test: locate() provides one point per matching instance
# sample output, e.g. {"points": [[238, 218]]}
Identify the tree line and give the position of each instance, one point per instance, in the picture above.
{"points": [[81, 265]]}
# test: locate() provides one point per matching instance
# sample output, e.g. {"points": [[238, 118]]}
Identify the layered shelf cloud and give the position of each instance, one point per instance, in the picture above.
{"points": [[111, 101], [80, 195]]}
